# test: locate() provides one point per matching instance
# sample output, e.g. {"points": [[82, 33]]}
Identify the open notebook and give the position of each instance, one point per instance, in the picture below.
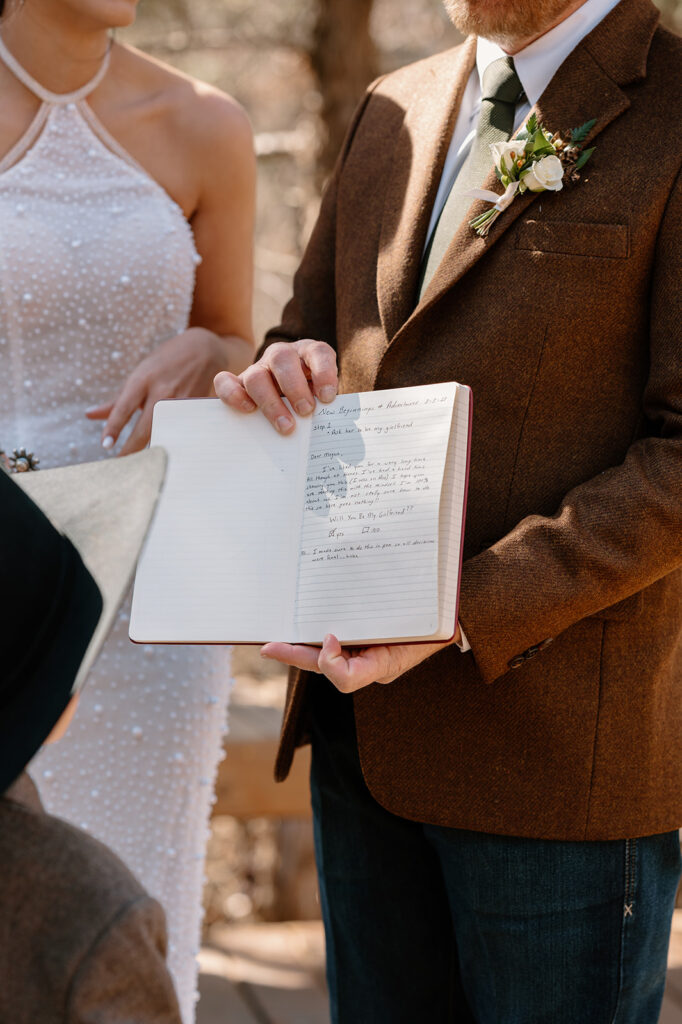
{"points": [[351, 525]]}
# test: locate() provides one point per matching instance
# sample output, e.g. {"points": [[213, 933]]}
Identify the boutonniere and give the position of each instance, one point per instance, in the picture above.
{"points": [[535, 160]]}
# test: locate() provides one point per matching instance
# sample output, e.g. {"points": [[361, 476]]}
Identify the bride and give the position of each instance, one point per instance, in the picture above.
{"points": [[126, 203]]}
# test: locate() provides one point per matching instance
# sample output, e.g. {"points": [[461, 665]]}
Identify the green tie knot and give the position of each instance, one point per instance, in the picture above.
{"points": [[500, 83]]}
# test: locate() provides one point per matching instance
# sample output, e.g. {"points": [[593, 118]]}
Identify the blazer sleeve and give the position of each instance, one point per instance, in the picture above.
{"points": [[123, 976], [311, 311], [613, 535]]}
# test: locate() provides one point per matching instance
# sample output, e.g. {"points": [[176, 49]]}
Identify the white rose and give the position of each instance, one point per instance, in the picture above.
{"points": [[505, 154], [546, 173]]}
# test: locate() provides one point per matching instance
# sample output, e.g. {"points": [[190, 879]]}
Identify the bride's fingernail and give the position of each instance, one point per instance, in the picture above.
{"points": [[108, 442], [327, 393], [285, 424]]}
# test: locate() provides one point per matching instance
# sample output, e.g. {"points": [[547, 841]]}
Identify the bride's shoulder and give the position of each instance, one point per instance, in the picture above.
{"points": [[200, 114]]}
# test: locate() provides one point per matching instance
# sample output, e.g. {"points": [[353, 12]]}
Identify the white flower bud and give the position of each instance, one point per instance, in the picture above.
{"points": [[505, 155]]}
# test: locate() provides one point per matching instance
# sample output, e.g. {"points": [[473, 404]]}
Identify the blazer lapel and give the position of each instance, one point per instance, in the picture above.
{"points": [[418, 159], [581, 90]]}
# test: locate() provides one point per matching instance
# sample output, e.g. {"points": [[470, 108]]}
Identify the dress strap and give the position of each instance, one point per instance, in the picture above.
{"points": [[45, 95]]}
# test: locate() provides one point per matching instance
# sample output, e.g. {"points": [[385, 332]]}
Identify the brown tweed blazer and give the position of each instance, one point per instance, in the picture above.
{"points": [[80, 940], [565, 720]]}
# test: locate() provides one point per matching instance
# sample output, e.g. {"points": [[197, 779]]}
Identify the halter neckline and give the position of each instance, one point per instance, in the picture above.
{"points": [[44, 94]]}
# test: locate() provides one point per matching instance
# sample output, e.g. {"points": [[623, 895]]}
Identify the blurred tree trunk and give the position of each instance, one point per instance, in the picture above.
{"points": [[344, 60]]}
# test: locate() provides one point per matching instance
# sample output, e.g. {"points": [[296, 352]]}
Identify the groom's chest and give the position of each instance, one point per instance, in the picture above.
{"points": [[570, 262], [547, 322]]}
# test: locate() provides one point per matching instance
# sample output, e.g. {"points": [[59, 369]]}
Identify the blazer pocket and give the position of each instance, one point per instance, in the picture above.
{"points": [[610, 241]]}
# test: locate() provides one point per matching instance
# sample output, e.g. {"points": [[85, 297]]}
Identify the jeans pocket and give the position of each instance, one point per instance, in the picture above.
{"points": [[650, 877], [630, 887]]}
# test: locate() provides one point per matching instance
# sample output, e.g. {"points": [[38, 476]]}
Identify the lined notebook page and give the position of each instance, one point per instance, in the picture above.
{"points": [[452, 513], [368, 563], [219, 564]]}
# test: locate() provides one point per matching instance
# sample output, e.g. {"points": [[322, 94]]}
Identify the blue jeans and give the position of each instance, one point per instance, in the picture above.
{"points": [[430, 925]]}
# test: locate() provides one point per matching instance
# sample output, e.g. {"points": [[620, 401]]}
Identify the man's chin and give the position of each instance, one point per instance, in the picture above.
{"points": [[505, 21]]}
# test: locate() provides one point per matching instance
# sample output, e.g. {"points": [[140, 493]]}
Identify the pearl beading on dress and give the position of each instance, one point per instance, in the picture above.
{"points": [[97, 267]]}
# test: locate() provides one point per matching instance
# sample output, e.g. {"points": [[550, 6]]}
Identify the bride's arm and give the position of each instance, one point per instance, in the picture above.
{"points": [[223, 227], [220, 335]]}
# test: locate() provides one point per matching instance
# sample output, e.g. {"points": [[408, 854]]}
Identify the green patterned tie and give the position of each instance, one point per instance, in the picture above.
{"points": [[501, 92]]}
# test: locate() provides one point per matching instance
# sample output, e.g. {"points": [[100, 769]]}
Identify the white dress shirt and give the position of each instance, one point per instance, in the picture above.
{"points": [[535, 65]]}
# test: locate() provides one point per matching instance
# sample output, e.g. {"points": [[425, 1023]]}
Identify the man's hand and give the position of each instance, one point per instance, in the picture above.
{"points": [[352, 668], [300, 371]]}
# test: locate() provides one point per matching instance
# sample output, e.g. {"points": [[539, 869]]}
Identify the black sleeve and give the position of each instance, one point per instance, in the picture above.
{"points": [[39, 570]]}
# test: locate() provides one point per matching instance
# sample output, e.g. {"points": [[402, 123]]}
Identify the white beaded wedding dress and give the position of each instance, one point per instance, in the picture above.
{"points": [[96, 268]]}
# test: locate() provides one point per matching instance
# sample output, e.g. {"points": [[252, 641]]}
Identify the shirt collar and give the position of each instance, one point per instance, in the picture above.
{"points": [[537, 63]]}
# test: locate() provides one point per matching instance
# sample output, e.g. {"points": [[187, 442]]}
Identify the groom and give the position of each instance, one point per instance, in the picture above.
{"points": [[496, 818]]}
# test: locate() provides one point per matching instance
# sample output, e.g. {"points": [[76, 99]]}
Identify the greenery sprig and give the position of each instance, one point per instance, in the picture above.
{"points": [[535, 160]]}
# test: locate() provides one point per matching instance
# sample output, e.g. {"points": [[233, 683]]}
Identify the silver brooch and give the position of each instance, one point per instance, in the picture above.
{"points": [[21, 461]]}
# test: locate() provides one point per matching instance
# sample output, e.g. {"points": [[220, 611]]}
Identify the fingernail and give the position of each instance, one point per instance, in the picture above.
{"points": [[327, 393], [264, 655], [328, 639], [285, 424], [92, 408], [304, 407], [108, 442], [247, 405]]}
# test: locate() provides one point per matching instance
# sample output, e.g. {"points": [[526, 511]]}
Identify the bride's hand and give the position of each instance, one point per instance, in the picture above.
{"points": [[182, 367], [352, 668]]}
